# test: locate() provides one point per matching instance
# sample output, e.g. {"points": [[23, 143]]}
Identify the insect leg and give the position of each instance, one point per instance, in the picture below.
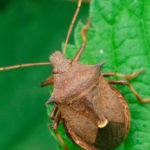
{"points": [[126, 76], [83, 33], [55, 126], [48, 81], [53, 114], [57, 120], [146, 100]]}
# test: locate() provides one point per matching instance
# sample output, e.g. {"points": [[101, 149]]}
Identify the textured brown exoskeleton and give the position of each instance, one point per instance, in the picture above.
{"points": [[95, 114]]}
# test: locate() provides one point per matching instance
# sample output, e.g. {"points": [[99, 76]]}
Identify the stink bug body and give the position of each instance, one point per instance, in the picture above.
{"points": [[95, 114]]}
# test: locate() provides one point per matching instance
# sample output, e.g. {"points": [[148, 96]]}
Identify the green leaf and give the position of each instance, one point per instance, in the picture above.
{"points": [[120, 36]]}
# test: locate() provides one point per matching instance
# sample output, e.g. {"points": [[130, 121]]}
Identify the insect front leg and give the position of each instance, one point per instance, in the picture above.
{"points": [[53, 114], [48, 81], [123, 82], [57, 121], [54, 126]]}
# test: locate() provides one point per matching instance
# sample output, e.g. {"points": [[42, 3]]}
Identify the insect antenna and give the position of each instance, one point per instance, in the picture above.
{"points": [[71, 25], [64, 50], [81, 49], [24, 65]]}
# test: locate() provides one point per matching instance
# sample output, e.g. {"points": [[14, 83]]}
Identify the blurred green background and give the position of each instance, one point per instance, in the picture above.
{"points": [[30, 30]]}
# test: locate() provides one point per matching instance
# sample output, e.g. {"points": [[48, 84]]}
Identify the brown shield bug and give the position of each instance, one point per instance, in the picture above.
{"points": [[95, 114]]}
